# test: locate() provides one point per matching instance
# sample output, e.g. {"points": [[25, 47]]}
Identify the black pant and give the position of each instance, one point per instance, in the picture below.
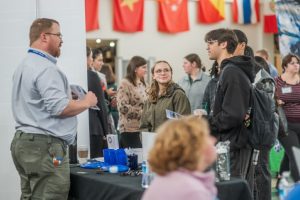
{"points": [[130, 139], [293, 139], [97, 144], [262, 176], [241, 165]]}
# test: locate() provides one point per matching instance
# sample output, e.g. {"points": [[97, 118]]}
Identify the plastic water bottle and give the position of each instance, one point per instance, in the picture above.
{"points": [[223, 161], [286, 184], [146, 175]]}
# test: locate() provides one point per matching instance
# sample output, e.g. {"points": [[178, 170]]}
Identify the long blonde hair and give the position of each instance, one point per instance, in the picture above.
{"points": [[179, 144], [153, 91]]}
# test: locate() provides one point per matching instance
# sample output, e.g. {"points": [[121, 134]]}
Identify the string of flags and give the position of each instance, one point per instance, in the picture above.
{"points": [[128, 15]]}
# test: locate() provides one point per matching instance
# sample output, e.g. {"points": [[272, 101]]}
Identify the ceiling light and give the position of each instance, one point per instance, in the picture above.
{"points": [[112, 44], [98, 41]]}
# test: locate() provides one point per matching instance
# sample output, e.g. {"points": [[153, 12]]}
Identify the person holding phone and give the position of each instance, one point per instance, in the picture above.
{"points": [[111, 92], [98, 121], [163, 95]]}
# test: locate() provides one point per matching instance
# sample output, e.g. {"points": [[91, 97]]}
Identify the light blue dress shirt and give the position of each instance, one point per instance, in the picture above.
{"points": [[40, 93]]}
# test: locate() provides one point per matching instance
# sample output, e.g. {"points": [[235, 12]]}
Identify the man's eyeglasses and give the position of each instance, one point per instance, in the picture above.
{"points": [[210, 42], [159, 71], [57, 34]]}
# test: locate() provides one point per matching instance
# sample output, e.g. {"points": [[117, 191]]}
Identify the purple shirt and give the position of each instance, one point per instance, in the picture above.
{"points": [[182, 184], [291, 99]]}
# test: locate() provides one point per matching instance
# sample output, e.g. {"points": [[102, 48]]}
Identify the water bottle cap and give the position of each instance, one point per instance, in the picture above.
{"points": [[113, 169]]}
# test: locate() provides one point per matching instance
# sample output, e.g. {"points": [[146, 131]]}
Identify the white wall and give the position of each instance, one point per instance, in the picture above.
{"points": [[171, 47], [15, 19]]}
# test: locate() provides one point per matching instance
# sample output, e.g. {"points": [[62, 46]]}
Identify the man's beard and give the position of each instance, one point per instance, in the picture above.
{"points": [[55, 51]]}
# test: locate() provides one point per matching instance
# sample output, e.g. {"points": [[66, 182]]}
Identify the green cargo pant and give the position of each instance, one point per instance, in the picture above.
{"points": [[43, 165]]}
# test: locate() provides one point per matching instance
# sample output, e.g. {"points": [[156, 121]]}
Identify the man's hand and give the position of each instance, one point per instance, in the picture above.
{"points": [[91, 99], [280, 102], [77, 106], [247, 116]]}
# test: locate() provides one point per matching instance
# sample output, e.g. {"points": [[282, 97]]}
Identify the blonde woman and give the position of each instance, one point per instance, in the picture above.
{"points": [[163, 95], [182, 152], [131, 97]]}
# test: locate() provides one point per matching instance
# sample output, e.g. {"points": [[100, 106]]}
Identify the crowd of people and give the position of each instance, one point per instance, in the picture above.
{"points": [[183, 152]]}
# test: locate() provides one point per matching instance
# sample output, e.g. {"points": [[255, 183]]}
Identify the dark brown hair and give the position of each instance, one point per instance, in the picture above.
{"points": [[260, 61], [39, 26], [88, 51], [287, 59], [194, 58], [241, 36], [134, 63], [97, 52], [223, 35], [110, 76]]}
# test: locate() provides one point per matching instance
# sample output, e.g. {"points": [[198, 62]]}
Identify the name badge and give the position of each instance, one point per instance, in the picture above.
{"points": [[286, 90]]}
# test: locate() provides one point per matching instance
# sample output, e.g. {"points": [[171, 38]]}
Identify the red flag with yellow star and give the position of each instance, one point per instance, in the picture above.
{"points": [[128, 15], [173, 16]]}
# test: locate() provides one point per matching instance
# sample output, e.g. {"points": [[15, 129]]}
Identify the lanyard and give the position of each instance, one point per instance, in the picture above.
{"points": [[53, 60]]}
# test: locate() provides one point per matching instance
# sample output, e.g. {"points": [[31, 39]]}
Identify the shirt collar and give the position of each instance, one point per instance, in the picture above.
{"points": [[43, 54], [198, 78]]}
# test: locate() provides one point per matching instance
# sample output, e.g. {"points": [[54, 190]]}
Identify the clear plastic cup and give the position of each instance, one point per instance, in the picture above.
{"points": [[83, 153]]}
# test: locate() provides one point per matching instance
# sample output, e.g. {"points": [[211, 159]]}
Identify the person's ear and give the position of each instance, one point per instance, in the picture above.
{"points": [[223, 45], [243, 45], [43, 37], [194, 64]]}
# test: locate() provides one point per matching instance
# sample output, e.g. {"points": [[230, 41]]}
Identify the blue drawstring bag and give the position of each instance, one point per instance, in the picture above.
{"points": [[94, 164]]}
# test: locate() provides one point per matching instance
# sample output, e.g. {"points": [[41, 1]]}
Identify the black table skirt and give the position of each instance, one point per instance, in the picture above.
{"points": [[87, 185]]}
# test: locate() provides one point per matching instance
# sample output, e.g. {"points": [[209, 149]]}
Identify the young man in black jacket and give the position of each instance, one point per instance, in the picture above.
{"points": [[232, 99], [261, 171]]}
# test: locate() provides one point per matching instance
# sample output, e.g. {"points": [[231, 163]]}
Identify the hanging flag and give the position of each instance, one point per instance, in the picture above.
{"points": [[270, 22], [91, 15], [128, 15], [172, 16], [245, 11], [211, 11]]}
